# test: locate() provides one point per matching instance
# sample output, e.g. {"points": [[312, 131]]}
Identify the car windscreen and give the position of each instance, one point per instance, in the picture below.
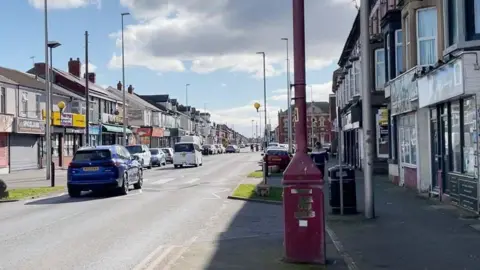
{"points": [[230, 147], [275, 152], [154, 151], [184, 147], [166, 151], [92, 155], [134, 149]]}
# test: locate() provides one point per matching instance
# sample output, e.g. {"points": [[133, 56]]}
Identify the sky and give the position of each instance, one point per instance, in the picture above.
{"points": [[171, 43]]}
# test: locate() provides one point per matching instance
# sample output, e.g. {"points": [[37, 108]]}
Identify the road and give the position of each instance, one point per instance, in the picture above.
{"points": [[142, 230]]}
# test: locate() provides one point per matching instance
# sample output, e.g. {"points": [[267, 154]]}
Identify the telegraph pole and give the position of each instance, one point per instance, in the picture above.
{"points": [[367, 110], [87, 95], [48, 118]]}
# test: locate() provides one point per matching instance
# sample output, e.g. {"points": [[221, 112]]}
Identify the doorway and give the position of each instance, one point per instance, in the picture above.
{"points": [[439, 141]]}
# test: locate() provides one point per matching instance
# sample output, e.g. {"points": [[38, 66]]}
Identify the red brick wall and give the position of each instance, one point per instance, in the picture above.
{"points": [[410, 176]]}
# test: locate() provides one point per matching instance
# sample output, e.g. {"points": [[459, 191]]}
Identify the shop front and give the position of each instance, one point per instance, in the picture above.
{"points": [[6, 128], [112, 130], [352, 136], [26, 151], [453, 105], [67, 136], [158, 139]]}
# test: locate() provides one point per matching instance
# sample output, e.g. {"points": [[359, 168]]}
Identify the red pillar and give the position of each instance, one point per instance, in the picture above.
{"points": [[302, 181]]}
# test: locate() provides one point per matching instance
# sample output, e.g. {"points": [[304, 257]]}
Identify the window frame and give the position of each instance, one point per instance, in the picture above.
{"points": [[398, 70], [407, 42], [388, 58], [377, 82], [471, 33], [428, 38], [3, 100]]}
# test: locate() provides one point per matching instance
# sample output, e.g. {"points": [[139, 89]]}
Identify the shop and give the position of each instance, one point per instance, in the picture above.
{"points": [[113, 134], [453, 107], [353, 136], [67, 136], [153, 137], [26, 150], [157, 138]]}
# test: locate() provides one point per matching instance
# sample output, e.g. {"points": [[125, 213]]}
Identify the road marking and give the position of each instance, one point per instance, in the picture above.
{"points": [[187, 245], [145, 263], [160, 258], [193, 180], [163, 181]]}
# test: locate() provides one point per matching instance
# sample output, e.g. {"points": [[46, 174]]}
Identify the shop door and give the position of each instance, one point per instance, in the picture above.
{"points": [[439, 142]]}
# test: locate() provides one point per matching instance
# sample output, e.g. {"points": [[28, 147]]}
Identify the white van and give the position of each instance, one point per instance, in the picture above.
{"points": [[187, 153]]}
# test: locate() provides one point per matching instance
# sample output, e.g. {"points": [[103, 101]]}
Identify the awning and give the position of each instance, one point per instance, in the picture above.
{"points": [[114, 129]]}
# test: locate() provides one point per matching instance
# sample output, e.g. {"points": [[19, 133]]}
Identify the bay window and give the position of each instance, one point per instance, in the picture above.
{"points": [[379, 68], [452, 22], [398, 52], [426, 36], [472, 19], [407, 43], [389, 60]]}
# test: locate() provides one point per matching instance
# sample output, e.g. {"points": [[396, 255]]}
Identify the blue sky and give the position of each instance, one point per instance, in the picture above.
{"points": [[166, 48]]}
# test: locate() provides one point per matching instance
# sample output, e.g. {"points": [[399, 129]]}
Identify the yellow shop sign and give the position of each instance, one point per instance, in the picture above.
{"points": [[67, 119]]}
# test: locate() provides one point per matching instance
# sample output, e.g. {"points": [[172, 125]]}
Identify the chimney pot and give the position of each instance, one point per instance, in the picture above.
{"points": [[119, 86], [130, 89], [92, 77]]}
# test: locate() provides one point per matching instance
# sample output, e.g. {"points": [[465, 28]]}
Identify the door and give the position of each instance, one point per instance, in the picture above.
{"points": [[23, 152], [444, 147], [401, 150], [436, 150]]}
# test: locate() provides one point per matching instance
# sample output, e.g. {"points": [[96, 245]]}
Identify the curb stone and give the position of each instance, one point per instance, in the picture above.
{"points": [[255, 200]]}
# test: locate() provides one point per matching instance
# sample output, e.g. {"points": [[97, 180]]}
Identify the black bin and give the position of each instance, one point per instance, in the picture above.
{"points": [[349, 189]]}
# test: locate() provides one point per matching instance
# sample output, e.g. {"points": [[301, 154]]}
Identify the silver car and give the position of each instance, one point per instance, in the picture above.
{"points": [[158, 157]]}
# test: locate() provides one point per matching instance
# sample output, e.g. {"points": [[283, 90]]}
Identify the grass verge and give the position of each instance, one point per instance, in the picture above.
{"points": [[30, 193], [247, 191], [259, 174]]}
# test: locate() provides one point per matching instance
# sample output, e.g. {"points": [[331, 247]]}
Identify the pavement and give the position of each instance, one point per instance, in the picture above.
{"points": [[33, 178], [409, 232]]}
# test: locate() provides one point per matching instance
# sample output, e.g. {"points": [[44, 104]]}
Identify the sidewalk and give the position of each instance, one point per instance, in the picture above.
{"points": [[410, 232], [33, 178]]}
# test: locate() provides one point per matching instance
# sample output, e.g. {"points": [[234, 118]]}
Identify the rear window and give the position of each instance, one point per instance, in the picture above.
{"points": [[134, 149], [184, 147], [154, 151], [275, 152], [92, 155], [166, 151]]}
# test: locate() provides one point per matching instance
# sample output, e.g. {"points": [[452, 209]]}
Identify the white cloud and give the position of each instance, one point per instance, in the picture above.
{"points": [[226, 34], [91, 68], [224, 85], [320, 92], [241, 117], [64, 4]]}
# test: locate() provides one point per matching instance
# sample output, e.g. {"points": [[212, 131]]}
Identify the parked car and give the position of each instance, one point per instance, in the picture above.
{"points": [[168, 154], [158, 157], [187, 153], [143, 153], [103, 167], [218, 149], [230, 149], [327, 147], [209, 149], [278, 156]]}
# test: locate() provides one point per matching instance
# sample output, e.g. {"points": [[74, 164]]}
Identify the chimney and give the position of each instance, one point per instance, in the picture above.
{"points": [[130, 89], [119, 86], [92, 77], [39, 69], [74, 67]]}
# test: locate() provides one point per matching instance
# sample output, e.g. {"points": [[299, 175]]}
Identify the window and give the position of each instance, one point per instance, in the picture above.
{"points": [[426, 36], [24, 108], [455, 137], [38, 109], [398, 52], [452, 22], [356, 76], [389, 59], [379, 68], [92, 155], [469, 133], [68, 145], [472, 17], [408, 139], [407, 42], [352, 82], [3, 100]]}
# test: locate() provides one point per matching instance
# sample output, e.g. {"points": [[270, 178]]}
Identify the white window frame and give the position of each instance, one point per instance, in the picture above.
{"points": [[398, 44], [389, 60], [406, 33], [419, 39], [378, 84]]}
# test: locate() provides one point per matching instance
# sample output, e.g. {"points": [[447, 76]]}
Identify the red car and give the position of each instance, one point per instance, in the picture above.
{"points": [[278, 156]]}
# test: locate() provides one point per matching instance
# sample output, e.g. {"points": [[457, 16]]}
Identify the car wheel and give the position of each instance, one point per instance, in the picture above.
{"points": [[125, 188], [149, 165], [139, 183], [74, 193]]}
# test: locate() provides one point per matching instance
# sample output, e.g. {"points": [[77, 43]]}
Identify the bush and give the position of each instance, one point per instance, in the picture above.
{"points": [[3, 189]]}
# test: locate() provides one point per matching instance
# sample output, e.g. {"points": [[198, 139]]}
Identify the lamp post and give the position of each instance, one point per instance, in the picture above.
{"points": [[51, 45], [289, 101], [47, 91], [264, 99], [252, 128], [186, 94], [124, 139]]}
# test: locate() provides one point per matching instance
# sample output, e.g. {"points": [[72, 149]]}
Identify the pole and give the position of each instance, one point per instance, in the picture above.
{"points": [[289, 102], [48, 136], [87, 95], [265, 104], [256, 131], [340, 157], [367, 110], [311, 116], [252, 128], [124, 139]]}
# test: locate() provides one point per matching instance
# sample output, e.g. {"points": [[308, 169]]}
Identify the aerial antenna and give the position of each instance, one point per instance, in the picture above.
{"points": [[33, 59]]}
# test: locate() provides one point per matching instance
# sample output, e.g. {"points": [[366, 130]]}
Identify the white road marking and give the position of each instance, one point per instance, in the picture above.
{"points": [[193, 180], [163, 181], [160, 258]]}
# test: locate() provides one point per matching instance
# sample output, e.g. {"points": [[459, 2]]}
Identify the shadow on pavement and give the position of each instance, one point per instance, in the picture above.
{"points": [[64, 199], [253, 239]]}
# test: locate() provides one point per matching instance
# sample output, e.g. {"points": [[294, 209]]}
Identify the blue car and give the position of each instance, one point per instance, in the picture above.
{"points": [[103, 167]]}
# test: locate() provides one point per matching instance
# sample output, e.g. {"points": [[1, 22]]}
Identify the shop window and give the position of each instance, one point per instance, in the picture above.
{"points": [[68, 145], [408, 139], [470, 136], [55, 145], [455, 137], [426, 36]]}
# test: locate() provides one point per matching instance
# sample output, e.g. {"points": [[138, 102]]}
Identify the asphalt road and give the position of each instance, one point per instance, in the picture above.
{"points": [[137, 231]]}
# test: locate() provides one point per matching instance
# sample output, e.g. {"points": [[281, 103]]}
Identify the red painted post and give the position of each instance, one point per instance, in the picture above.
{"points": [[302, 181]]}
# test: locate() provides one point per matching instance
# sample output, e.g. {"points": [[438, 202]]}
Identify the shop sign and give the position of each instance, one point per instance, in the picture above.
{"points": [[6, 123], [68, 119], [144, 132], [111, 118], [30, 126], [404, 93], [442, 84], [383, 117], [158, 132], [74, 131]]}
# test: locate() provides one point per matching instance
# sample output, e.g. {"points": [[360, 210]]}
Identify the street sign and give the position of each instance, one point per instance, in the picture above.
{"points": [[295, 115]]}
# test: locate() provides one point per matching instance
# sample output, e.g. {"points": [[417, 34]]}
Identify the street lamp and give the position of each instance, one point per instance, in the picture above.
{"points": [[264, 98], [289, 100], [124, 139], [186, 94]]}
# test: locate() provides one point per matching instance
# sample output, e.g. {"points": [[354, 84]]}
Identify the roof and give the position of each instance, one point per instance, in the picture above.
{"points": [[35, 82], [351, 40], [134, 98], [6, 80], [153, 100], [98, 90]]}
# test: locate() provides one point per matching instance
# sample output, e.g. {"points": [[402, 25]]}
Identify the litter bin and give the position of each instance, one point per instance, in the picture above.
{"points": [[349, 189]]}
